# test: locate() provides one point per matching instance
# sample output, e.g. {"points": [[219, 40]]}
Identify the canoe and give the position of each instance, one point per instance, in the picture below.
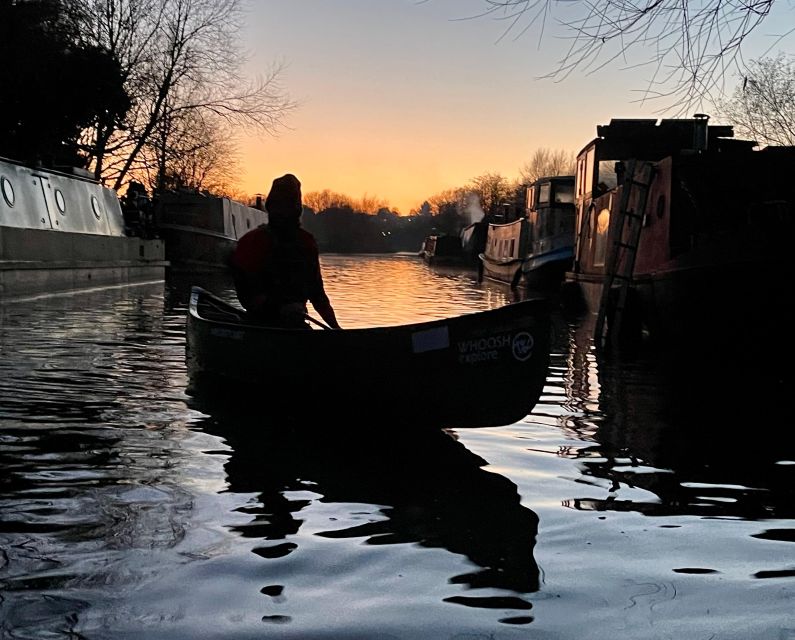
{"points": [[480, 369]]}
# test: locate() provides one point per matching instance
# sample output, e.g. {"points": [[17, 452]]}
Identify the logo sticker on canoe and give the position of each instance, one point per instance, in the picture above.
{"points": [[522, 346], [489, 348]]}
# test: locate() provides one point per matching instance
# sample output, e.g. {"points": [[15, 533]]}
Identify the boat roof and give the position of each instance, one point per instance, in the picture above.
{"points": [[656, 138], [552, 179]]}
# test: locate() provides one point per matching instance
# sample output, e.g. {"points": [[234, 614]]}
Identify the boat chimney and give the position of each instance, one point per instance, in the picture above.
{"points": [[258, 204], [700, 127]]}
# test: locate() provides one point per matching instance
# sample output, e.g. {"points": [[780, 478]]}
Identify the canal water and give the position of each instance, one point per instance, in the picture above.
{"points": [[644, 497]]}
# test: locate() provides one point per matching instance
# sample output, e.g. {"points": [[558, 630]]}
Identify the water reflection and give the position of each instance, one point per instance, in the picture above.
{"points": [[699, 434], [429, 489], [126, 514], [92, 452]]}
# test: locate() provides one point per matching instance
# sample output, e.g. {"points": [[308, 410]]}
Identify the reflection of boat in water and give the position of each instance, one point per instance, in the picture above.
{"points": [[423, 371], [427, 487], [201, 230], [702, 436], [65, 231], [537, 248]]}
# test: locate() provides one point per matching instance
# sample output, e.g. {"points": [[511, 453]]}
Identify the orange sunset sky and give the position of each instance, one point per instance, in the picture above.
{"points": [[402, 99]]}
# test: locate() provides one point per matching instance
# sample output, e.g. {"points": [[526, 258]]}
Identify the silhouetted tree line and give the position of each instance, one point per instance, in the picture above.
{"points": [[344, 225], [340, 229]]}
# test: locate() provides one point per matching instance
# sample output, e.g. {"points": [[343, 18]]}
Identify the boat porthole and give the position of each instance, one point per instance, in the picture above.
{"points": [[95, 207], [60, 202], [8, 191]]}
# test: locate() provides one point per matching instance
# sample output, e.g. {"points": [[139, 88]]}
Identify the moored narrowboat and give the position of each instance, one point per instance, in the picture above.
{"points": [[535, 248], [63, 230], [683, 233], [201, 230]]}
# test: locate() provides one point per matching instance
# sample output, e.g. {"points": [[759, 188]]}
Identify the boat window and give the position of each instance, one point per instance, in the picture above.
{"points": [[248, 223], [588, 177], [564, 193], [580, 176], [530, 197], [59, 201], [8, 191], [95, 206], [607, 174], [544, 191], [600, 240], [661, 206], [513, 246]]}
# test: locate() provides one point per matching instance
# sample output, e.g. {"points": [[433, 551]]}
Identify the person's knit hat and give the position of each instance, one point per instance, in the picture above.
{"points": [[284, 199]]}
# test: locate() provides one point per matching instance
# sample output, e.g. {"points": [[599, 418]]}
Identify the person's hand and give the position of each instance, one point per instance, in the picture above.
{"points": [[293, 313]]}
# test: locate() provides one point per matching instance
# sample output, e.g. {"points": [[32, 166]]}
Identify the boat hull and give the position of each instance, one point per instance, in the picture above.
{"points": [[35, 262], [61, 232], [506, 272], [196, 250], [477, 370], [201, 231]]}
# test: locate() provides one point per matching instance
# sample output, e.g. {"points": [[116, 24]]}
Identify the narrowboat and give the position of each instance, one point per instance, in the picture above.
{"points": [[61, 230], [683, 234], [535, 247], [442, 250], [201, 230]]}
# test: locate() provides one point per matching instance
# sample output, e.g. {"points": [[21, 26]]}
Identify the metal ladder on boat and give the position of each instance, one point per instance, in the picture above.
{"points": [[637, 180]]}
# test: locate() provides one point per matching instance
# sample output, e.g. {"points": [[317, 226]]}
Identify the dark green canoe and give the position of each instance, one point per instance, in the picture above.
{"points": [[481, 369]]}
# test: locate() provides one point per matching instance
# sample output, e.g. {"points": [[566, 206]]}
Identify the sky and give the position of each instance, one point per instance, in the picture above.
{"points": [[403, 99]]}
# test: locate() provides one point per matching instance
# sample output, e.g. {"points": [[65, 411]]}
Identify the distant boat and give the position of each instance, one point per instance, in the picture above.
{"points": [[442, 249], [201, 230], [684, 235], [535, 249], [63, 230]]}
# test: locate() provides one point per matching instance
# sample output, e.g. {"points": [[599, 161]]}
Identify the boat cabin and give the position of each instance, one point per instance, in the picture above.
{"points": [[536, 246], [700, 179], [551, 215]]}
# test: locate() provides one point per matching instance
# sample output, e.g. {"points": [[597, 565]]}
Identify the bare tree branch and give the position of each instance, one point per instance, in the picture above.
{"points": [[688, 46], [547, 162], [762, 107], [182, 63]]}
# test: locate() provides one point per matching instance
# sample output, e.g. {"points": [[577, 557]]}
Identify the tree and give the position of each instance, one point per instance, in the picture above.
{"points": [[324, 200], [370, 204], [177, 57], [493, 191], [199, 155], [762, 108], [53, 85], [547, 162], [688, 46]]}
